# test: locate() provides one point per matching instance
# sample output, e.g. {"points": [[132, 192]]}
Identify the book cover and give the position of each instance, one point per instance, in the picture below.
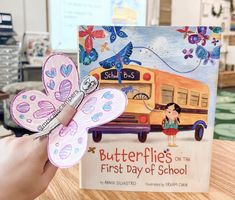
{"points": [[162, 142]]}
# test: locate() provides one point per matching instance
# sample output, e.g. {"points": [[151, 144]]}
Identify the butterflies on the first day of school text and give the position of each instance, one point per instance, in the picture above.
{"points": [[66, 144]]}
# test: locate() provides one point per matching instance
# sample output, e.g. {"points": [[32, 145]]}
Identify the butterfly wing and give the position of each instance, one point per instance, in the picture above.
{"points": [[82, 54], [119, 32], [88, 44], [111, 30], [216, 29], [66, 78], [202, 30], [67, 145], [108, 63], [215, 54], [30, 109], [194, 39], [98, 34], [93, 55], [122, 56], [201, 52], [126, 51]]}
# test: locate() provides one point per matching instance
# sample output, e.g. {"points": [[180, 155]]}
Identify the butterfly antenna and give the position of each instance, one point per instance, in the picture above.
{"points": [[136, 61]]}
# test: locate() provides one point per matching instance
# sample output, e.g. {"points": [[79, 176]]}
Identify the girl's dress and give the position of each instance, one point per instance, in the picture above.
{"points": [[170, 127]]}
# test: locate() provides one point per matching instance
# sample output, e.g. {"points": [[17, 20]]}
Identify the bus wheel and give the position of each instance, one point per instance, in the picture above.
{"points": [[97, 136], [199, 130], [142, 136]]}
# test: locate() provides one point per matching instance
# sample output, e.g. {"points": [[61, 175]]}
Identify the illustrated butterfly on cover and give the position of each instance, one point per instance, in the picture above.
{"points": [[200, 36], [187, 53], [207, 56], [186, 31], [86, 58], [66, 110], [117, 61], [115, 31], [90, 34]]}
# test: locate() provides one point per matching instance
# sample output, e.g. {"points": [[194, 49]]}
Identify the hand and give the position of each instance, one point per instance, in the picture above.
{"points": [[25, 171]]}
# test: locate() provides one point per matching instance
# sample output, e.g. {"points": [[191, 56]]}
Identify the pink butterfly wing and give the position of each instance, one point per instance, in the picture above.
{"points": [[60, 77], [31, 108], [67, 145]]}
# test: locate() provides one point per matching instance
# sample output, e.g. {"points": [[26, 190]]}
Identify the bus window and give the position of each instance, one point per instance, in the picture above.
{"points": [[204, 100], [132, 90], [182, 96], [167, 94], [194, 98]]}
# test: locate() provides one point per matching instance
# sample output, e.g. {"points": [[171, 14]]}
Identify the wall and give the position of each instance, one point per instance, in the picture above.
{"points": [[28, 15], [186, 12], [198, 12], [36, 15]]}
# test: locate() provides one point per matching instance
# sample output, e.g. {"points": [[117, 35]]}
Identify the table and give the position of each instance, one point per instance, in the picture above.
{"points": [[65, 185]]}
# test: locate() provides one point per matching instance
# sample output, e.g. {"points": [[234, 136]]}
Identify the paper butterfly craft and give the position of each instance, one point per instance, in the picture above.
{"points": [[67, 144], [117, 61], [115, 31]]}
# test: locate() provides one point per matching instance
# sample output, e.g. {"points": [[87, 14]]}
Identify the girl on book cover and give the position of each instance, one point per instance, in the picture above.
{"points": [[171, 122]]}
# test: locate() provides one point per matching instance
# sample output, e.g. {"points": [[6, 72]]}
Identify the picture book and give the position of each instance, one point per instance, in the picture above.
{"points": [[162, 141]]}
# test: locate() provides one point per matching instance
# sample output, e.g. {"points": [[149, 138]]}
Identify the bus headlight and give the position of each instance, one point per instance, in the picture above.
{"points": [[143, 119], [96, 76], [146, 76]]}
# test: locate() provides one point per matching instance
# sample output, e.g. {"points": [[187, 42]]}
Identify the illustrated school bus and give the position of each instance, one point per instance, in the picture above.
{"points": [[148, 91]]}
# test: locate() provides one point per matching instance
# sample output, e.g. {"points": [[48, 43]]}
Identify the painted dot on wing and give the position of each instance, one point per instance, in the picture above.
{"points": [[56, 151], [29, 120], [107, 106], [23, 107], [107, 95], [21, 116], [80, 140], [32, 98], [24, 96], [96, 117], [66, 151]]}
